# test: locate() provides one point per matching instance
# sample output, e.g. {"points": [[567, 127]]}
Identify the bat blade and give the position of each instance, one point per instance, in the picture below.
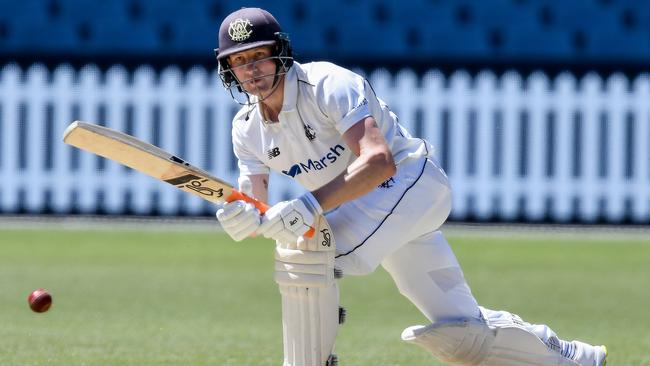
{"points": [[153, 161]]}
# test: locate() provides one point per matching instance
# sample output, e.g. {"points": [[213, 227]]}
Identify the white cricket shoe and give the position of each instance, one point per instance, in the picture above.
{"points": [[586, 354]]}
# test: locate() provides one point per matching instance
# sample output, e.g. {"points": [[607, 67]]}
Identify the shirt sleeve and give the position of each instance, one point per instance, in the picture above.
{"points": [[247, 162], [344, 99]]}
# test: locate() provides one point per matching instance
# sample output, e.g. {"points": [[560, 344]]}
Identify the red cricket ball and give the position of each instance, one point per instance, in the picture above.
{"points": [[40, 300]]}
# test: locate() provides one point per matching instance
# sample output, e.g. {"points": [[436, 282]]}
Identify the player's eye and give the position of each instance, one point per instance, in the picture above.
{"points": [[263, 53], [237, 61]]}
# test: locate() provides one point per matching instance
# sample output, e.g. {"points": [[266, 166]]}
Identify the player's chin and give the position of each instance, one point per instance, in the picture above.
{"points": [[258, 90]]}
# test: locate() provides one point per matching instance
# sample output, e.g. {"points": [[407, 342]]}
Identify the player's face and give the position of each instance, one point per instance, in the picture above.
{"points": [[255, 69]]}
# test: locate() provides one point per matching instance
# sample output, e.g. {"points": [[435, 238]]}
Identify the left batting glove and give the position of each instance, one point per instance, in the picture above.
{"points": [[239, 219], [288, 220]]}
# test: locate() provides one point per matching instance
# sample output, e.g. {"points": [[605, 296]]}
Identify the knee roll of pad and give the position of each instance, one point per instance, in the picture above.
{"points": [[305, 274], [472, 342]]}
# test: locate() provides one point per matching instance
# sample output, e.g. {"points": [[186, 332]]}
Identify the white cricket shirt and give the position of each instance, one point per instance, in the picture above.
{"points": [[321, 102]]}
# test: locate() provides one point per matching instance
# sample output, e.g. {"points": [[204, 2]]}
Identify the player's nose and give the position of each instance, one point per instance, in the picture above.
{"points": [[250, 69]]}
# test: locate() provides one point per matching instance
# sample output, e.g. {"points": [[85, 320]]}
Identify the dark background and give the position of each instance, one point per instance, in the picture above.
{"points": [[525, 35]]}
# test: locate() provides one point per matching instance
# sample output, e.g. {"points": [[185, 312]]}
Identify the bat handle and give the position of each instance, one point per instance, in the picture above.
{"points": [[263, 207], [239, 196], [310, 233]]}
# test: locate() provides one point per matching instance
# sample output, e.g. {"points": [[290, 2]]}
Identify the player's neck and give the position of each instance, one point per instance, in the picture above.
{"points": [[272, 105]]}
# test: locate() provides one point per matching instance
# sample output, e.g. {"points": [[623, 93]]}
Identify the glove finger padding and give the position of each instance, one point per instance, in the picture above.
{"points": [[286, 220], [230, 210], [244, 218], [271, 218], [240, 233], [270, 226], [239, 219], [276, 230]]}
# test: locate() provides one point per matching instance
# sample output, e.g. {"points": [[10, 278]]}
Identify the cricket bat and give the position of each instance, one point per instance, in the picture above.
{"points": [[155, 162]]}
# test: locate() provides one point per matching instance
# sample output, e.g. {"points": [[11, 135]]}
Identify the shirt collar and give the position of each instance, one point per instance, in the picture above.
{"points": [[290, 89], [290, 96]]}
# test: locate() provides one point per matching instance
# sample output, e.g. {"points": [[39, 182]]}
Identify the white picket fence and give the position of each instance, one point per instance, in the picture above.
{"points": [[515, 148]]}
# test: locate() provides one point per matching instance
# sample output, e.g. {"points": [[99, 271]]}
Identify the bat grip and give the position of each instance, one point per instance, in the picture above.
{"points": [[239, 196], [263, 207]]}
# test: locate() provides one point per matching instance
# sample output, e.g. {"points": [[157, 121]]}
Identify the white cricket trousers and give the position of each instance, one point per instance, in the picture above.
{"points": [[396, 226]]}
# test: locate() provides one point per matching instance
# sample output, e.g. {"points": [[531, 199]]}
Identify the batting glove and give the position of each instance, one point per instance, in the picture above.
{"points": [[239, 219], [288, 220]]}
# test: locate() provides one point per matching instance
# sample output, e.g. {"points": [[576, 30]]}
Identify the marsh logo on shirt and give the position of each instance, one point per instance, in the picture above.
{"points": [[315, 164]]}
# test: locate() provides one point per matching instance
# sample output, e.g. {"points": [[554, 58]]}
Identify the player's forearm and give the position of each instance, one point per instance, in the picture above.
{"points": [[361, 177], [259, 186]]}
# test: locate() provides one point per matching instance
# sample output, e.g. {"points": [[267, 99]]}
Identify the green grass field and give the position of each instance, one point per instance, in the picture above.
{"points": [[183, 298]]}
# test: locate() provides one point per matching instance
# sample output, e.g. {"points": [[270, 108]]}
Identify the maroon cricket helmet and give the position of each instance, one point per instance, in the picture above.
{"points": [[249, 28]]}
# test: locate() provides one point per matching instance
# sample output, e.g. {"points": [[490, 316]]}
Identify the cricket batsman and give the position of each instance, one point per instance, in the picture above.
{"points": [[376, 196]]}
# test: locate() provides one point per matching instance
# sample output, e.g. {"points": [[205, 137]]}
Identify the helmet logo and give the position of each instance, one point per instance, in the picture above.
{"points": [[240, 29]]}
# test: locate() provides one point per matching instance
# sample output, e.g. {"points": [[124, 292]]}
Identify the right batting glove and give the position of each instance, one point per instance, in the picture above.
{"points": [[239, 219], [286, 221]]}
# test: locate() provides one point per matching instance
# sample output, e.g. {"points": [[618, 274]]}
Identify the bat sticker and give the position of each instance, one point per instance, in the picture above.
{"points": [[326, 238], [195, 183]]}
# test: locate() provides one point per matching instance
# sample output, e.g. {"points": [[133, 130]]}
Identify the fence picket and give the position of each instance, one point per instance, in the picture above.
{"points": [[460, 103], [534, 180], [60, 177], [432, 95], [590, 187], [510, 191], [616, 103], [486, 106], [10, 89], [641, 179], [563, 190]]}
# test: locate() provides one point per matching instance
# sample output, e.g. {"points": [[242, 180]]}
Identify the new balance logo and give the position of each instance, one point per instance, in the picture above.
{"points": [[389, 183], [273, 152], [310, 165]]}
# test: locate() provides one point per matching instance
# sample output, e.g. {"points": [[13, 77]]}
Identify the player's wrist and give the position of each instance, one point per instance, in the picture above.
{"points": [[311, 203]]}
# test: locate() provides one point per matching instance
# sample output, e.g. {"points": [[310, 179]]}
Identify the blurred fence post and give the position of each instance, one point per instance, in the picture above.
{"points": [[590, 102], [61, 179], [640, 194], [535, 180], [617, 106], [487, 112], [10, 93]]}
